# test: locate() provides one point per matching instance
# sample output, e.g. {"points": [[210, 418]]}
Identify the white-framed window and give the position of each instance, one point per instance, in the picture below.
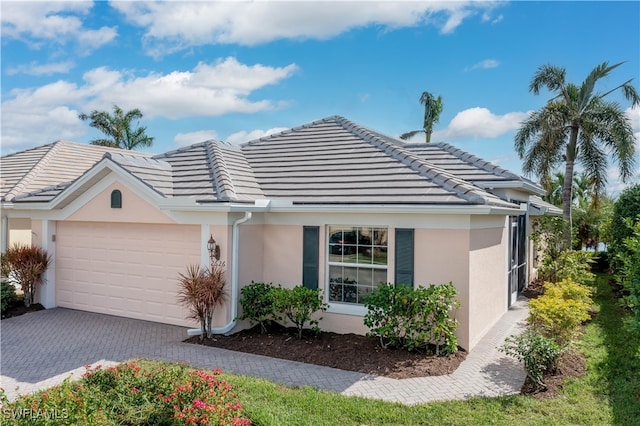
{"points": [[357, 262]]}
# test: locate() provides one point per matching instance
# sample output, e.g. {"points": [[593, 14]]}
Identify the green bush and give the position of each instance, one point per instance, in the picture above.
{"points": [[568, 264], [628, 276], [412, 319], [7, 296], [539, 353], [297, 305], [133, 394], [257, 304], [627, 207], [560, 310]]}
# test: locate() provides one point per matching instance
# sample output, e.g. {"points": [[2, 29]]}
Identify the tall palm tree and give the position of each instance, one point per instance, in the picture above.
{"points": [[432, 110], [577, 124], [118, 128]]}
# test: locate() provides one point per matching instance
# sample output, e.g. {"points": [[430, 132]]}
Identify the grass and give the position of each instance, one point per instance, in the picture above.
{"points": [[608, 394]]}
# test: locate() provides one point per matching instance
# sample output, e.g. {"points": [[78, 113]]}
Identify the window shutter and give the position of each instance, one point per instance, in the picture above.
{"points": [[404, 256], [310, 256]]}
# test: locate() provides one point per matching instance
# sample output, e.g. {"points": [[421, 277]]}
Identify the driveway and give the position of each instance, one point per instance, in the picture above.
{"points": [[40, 349]]}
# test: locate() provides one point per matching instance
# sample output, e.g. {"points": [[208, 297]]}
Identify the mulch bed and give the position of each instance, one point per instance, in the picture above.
{"points": [[350, 352], [18, 308], [570, 364]]}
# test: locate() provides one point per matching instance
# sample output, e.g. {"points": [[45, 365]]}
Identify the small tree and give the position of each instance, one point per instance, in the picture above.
{"points": [[28, 265], [201, 291]]}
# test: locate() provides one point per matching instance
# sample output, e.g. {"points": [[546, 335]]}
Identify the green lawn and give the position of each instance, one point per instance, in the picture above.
{"points": [[608, 394]]}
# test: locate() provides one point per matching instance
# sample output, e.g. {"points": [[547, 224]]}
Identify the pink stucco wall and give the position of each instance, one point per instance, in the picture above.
{"points": [[134, 209], [442, 255], [487, 280]]}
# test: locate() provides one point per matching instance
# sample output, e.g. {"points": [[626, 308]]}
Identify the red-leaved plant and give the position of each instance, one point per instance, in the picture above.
{"points": [[27, 265], [201, 291]]}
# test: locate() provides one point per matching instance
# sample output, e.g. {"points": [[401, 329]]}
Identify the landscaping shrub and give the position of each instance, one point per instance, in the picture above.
{"points": [[568, 264], [297, 305], [133, 394], [27, 264], [201, 291], [257, 304], [404, 317], [560, 310], [628, 276], [539, 354], [627, 207], [7, 296]]}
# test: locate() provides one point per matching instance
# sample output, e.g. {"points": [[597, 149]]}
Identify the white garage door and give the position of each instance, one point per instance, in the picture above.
{"points": [[124, 269]]}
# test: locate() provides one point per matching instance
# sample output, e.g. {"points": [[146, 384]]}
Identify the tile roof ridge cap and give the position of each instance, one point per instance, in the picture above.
{"points": [[477, 161], [183, 149], [436, 174], [293, 129], [26, 179], [219, 171]]}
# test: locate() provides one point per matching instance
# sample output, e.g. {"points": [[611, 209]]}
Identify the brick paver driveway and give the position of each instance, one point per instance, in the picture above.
{"points": [[41, 349]]}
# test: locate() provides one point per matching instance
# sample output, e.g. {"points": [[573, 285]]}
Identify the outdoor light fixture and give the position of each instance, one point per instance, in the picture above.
{"points": [[214, 249]]}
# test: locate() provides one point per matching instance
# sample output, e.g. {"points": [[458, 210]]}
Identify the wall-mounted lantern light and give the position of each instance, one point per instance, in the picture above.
{"points": [[214, 250]]}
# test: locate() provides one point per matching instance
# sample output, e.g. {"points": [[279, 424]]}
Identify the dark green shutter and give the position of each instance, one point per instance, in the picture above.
{"points": [[310, 256], [404, 256]]}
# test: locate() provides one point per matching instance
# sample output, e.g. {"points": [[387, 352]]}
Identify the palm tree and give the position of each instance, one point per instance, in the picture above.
{"points": [[118, 128], [432, 110], [577, 124]]}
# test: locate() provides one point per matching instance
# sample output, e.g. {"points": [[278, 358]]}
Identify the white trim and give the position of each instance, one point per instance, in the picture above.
{"points": [[47, 291], [346, 309], [4, 230]]}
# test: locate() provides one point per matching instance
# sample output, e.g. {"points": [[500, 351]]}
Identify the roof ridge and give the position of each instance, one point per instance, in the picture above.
{"points": [[220, 172], [26, 179], [293, 129], [476, 161], [448, 181]]}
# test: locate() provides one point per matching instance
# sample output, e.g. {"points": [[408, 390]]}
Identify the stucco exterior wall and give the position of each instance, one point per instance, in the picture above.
{"points": [[442, 255], [134, 209], [19, 231], [487, 280]]}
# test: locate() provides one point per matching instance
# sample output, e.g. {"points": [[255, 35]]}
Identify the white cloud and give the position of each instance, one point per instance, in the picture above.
{"points": [[480, 123], [244, 136], [171, 26], [207, 90], [38, 23], [185, 139], [34, 68], [485, 64]]}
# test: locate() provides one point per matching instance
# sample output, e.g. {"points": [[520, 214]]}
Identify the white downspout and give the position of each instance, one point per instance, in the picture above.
{"points": [[234, 282], [5, 233]]}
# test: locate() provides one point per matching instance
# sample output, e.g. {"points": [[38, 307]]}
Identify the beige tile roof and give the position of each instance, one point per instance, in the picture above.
{"points": [[49, 166]]}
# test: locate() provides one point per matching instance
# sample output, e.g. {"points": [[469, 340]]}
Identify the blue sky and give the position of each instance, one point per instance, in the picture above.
{"points": [[237, 71]]}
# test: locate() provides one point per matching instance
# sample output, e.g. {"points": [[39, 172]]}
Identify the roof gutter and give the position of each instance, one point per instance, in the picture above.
{"points": [[234, 281]]}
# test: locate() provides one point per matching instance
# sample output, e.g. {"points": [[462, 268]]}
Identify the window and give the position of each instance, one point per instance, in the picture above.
{"points": [[116, 199], [357, 262]]}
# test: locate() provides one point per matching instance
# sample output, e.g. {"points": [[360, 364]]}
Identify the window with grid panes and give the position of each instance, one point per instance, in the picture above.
{"points": [[357, 260]]}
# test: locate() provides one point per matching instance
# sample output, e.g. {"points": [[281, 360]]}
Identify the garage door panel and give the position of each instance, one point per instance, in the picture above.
{"points": [[132, 273]]}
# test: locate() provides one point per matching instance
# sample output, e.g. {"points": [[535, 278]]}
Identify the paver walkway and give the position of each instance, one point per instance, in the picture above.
{"points": [[40, 349]]}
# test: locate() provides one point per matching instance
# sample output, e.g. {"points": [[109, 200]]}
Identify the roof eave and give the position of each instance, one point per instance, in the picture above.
{"points": [[530, 187]]}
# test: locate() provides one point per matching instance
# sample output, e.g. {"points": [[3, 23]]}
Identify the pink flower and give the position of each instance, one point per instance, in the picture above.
{"points": [[199, 404], [135, 390]]}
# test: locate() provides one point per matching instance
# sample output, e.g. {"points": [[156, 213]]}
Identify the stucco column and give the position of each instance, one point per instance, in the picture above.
{"points": [[47, 291], [5, 233]]}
